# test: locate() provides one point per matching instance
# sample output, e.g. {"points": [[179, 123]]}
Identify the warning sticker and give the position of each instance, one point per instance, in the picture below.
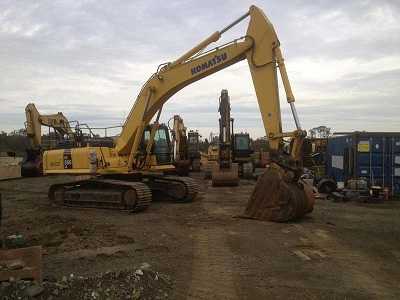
{"points": [[363, 146], [67, 159]]}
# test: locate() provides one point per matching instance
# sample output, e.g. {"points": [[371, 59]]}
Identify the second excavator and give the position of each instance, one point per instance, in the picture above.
{"points": [[129, 172], [180, 145], [225, 172]]}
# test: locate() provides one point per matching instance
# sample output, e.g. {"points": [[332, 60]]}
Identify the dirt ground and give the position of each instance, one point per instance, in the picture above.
{"points": [[340, 251]]}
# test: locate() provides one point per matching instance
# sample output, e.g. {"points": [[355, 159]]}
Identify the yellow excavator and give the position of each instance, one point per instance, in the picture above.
{"points": [[129, 172], [185, 145], [193, 148], [225, 172], [32, 165], [180, 145]]}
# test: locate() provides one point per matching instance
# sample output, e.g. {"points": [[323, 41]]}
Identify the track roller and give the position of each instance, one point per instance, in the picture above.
{"points": [[181, 189], [102, 193]]}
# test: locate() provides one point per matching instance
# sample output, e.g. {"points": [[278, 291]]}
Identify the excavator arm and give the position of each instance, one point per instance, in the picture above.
{"points": [[180, 145], [32, 165], [179, 139], [34, 121]]}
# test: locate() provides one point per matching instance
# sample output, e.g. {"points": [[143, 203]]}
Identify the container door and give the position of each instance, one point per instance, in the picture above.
{"points": [[396, 166], [363, 158]]}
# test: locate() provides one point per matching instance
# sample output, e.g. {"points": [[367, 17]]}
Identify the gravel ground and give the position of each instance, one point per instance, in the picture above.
{"points": [[200, 250]]}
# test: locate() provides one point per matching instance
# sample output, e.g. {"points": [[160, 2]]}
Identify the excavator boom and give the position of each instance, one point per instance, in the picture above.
{"points": [[34, 121]]}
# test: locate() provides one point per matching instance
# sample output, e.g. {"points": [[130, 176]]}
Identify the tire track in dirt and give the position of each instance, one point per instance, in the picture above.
{"points": [[213, 267], [360, 271], [212, 272]]}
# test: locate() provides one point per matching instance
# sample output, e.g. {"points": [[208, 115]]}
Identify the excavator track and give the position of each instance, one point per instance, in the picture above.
{"points": [[102, 193], [181, 189]]}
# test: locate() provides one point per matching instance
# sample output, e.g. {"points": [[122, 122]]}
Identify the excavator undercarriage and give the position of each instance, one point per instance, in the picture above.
{"points": [[134, 191], [130, 193]]}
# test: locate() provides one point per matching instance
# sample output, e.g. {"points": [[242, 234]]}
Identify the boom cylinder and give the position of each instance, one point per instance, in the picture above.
{"points": [[211, 39], [235, 22], [295, 116], [286, 85]]}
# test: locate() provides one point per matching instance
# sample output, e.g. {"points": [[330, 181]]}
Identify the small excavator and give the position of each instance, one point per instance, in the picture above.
{"points": [[225, 172], [186, 152], [180, 145], [125, 175], [193, 146], [32, 165]]}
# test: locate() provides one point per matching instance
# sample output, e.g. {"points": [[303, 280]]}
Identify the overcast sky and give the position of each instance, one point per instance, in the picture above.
{"points": [[89, 59]]}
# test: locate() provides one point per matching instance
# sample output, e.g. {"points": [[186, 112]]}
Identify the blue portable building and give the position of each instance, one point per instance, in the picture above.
{"points": [[374, 156]]}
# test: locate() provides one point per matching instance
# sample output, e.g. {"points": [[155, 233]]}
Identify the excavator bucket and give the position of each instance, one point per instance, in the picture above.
{"points": [[278, 197], [225, 177]]}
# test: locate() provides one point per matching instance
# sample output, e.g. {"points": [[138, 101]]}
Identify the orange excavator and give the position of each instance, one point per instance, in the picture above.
{"points": [[129, 172]]}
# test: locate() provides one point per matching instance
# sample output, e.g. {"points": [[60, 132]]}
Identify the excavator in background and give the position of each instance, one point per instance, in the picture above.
{"points": [[186, 152], [213, 148], [32, 165], [193, 146], [180, 146], [127, 174], [225, 172], [243, 154]]}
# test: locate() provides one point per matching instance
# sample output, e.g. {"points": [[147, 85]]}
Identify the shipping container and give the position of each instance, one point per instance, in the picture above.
{"points": [[374, 156]]}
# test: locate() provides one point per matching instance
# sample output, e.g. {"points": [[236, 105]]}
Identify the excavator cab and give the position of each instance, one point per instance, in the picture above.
{"points": [[242, 153], [241, 145], [161, 148]]}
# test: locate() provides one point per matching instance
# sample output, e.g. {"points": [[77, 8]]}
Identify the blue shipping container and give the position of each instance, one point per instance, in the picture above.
{"points": [[374, 156]]}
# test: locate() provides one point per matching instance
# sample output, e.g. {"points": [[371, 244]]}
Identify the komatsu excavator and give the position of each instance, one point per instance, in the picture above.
{"points": [[32, 165], [128, 173], [225, 172]]}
